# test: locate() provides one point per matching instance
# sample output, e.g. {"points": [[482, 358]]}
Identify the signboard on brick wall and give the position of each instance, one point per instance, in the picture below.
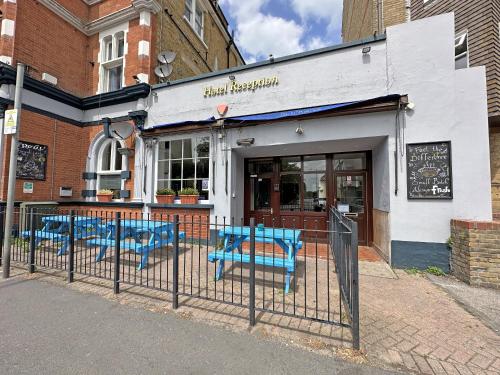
{"points": [[31, 161], [429, 170]]}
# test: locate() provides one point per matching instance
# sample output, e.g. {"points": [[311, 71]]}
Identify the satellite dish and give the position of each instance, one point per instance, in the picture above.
{"points": [[165, 69], [166, 57], [121, 130]]}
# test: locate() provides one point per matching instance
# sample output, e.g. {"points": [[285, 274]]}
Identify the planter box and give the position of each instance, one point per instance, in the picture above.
{"points": [[165, 199], [189, 199], [104, 197]]}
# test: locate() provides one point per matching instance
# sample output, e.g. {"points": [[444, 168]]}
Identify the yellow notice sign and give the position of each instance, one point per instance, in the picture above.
{"points": [[10, 121]]}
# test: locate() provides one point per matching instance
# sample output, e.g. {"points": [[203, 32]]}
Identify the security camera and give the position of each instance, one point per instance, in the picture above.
{"points": [[299, 130], [137, 79]]}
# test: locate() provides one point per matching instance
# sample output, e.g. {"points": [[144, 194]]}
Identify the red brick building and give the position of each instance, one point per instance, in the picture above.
{"points": [[85, 54]]}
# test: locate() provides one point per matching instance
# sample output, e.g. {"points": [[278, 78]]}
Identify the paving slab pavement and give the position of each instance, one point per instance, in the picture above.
{"points": [[49, 329], [483, 303]]}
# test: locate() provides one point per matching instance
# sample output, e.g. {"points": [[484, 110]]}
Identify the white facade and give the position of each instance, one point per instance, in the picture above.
{"points": [[416, 59]]}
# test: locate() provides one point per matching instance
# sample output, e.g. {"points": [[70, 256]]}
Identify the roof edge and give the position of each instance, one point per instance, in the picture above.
{"points": [[277, 60]]}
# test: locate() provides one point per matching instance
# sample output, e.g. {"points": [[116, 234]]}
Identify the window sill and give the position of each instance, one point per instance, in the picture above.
{"points": [[200, 206], [195, 33]]}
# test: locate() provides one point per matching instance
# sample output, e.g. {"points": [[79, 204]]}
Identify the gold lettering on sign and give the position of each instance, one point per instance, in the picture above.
{"points": [[235, 87]]}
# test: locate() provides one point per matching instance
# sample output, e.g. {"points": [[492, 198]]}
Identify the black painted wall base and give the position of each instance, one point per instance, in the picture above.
{"points": [[408, 254]]}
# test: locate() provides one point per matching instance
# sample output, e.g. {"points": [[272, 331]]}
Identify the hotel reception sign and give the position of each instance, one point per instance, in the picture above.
{"points": [[234, 87]]}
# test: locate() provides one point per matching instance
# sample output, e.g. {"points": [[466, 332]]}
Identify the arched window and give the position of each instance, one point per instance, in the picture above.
{"points": [[109, 167]]}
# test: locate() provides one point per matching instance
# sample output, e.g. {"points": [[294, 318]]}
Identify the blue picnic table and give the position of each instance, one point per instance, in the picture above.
{"points": [[160, 234], [56, 229], [286, 239]]}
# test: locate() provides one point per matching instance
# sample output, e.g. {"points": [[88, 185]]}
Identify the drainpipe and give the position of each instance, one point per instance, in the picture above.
{"points": [[228, 48], [380, 23]]}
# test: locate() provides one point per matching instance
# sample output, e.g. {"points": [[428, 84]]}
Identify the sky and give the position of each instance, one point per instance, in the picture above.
{"points": [[282, 27]]}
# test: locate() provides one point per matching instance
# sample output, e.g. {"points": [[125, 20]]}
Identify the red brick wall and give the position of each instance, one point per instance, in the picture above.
{"points": [[194, 222]]}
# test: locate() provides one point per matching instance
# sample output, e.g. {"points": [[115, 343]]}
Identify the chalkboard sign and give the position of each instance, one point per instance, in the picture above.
{"points": [[429, 170], [31, 161]]}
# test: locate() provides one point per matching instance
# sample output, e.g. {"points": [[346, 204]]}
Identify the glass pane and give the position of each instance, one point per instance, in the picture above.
{"points": [[120, 48], [188, 149], [461, 62], [199, 187], [188, 9], [188, 168], [290, 192], [260, 167], [187, 184], [175, 185], [261, 188], [316, 163], [350, 194], [349, 162], [163, 169], [108, 55], [290, 164], [202, 166], [162, 184], [106, 158], [176, 149], [315, 192], [176, 169], [164, 150], [203, 147], [111, 182], [118, 159], [115, 78]]}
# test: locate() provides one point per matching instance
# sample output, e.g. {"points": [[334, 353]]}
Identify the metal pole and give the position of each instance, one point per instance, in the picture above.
{"points": [[251, 305], [116, 279], [11, 192], [175, 273], [71, 255], [355, 286], [31, 264]]}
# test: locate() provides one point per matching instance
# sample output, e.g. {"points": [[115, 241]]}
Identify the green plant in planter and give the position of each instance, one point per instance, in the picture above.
{"points": [[105, 191], [165, 191], [189, 191]]}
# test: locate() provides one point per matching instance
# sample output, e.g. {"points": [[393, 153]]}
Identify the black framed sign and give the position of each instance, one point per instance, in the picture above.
{"points": [[31, 161], [428, 170]]}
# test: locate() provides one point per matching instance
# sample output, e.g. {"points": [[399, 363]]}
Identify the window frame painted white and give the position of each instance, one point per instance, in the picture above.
{"points": [[112, 171], [462, 38], [195, 7], [181, 137], [112, 58]]}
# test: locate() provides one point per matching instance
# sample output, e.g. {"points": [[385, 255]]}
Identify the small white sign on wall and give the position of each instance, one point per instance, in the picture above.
{"points": [[28, 187], [204, 184], [10, 122]]}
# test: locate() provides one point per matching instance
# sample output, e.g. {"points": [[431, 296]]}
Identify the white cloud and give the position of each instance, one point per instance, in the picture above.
{"points": [[259, 34], [327, 10]]}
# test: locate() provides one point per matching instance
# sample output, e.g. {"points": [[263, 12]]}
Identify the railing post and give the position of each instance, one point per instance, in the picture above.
{"points": [[116, 280], [2, 212], [355, 286], [31, 263], [71, 254], [251, 304], [175, 272]]}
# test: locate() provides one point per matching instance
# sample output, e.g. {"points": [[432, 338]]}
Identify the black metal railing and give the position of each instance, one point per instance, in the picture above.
{"points": [[286, 271], [344, 247]]}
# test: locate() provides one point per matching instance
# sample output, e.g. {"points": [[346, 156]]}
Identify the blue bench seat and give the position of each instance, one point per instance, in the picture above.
{"points": [[269, 261]]}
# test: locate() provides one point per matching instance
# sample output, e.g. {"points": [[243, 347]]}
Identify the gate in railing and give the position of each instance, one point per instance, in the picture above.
{"points": [[277, 270], [344, 246]]}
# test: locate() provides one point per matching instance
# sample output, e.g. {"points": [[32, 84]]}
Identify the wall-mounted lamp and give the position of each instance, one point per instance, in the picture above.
{"points": [[366, 50], [232, 77], [245, 141], [299, 130]]}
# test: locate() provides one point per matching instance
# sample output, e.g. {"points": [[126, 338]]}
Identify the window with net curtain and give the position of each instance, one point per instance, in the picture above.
{"points": [[184, 163], [109, 167]]}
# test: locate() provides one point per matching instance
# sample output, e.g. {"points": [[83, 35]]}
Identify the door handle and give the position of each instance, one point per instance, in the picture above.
{"points": [[272, 211]]}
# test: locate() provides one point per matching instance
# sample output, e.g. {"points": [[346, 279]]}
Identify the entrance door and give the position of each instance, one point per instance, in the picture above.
{"points": [[350, 198], [261, 196]]}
